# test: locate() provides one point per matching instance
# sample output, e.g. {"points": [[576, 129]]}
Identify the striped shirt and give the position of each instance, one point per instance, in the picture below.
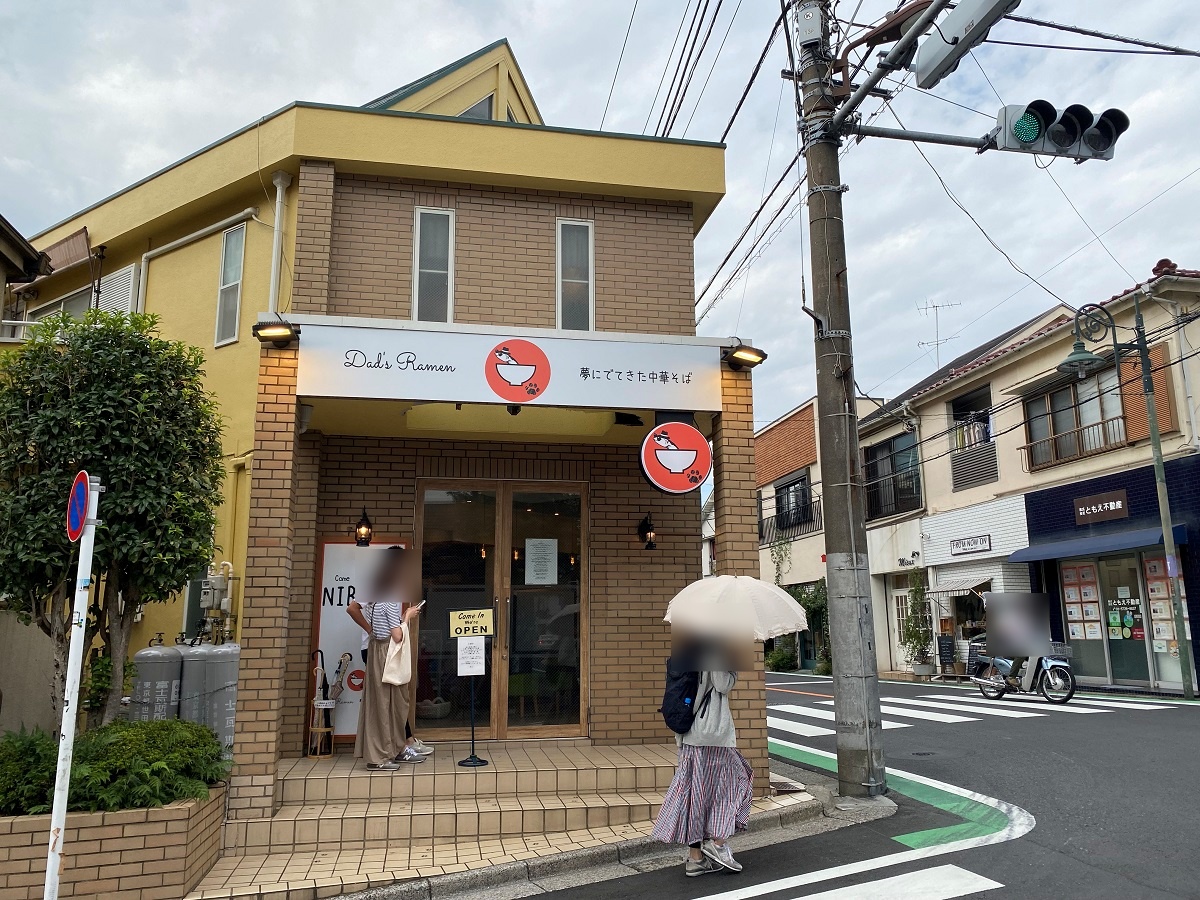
{"points": [[384, 617]]}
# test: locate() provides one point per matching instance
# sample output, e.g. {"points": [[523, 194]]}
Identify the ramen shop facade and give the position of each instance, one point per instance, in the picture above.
{"points": [[496, 365]]}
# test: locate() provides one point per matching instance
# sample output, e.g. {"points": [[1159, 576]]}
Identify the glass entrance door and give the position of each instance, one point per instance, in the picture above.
{"points": [[1124, 619], [519, 551]]}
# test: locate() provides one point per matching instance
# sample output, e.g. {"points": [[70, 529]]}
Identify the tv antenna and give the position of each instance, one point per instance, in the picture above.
{"points": [[938, 340]]}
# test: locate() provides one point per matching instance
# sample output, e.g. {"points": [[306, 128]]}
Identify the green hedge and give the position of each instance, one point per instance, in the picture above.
{"points": [[124, 765], [781, 659]]}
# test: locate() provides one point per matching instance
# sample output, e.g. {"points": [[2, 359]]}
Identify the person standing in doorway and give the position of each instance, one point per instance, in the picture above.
{"points": [[709, 798], [384, 711]]}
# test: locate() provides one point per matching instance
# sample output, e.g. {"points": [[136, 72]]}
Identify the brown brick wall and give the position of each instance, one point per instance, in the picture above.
{"points": [[505, 254], [786, 447], [314, 215], [135, 854]]}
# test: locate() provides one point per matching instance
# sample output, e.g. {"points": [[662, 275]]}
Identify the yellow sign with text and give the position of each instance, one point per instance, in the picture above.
{"points": [[470, 623]]}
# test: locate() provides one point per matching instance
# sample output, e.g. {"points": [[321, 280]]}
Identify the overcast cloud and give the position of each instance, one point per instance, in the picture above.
{"points": [[99, 95]]}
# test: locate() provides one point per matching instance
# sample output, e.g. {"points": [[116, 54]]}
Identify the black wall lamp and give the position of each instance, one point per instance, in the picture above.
{"points": [[279, 334], [363, 531], [645, 532], [742, 356]]}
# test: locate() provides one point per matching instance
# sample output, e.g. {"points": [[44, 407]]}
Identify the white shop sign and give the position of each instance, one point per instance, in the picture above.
{"points": [[465, 367], [343, 571]]}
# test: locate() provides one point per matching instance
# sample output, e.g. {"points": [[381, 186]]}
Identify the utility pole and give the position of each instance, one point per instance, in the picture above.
{"points": [[852, 631]]}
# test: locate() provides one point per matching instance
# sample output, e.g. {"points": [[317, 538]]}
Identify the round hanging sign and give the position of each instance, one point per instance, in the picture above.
{"points": [[517, 371], [676, 458], [77, 505]]}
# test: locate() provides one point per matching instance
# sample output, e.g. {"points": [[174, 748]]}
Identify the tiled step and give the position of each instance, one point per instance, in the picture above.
{"points": [[379, 824]]}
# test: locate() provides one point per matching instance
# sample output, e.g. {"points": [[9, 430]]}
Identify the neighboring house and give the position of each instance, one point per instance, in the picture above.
{"points": [[708, 536], [19, 261], [478, 320]]}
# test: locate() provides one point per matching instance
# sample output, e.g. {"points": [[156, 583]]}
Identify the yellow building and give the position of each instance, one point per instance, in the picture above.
{"points": [[477, 332]]}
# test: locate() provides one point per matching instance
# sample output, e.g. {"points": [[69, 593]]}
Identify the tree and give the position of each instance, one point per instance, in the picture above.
{"points": [[105, 394], [917, 634], [814, 599]]}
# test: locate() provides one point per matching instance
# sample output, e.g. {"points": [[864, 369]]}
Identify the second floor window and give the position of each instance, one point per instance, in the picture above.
{"points": [[433, 265], [893, 473], [1076, 420], [793, 502], [229, 293], [576, 282]]}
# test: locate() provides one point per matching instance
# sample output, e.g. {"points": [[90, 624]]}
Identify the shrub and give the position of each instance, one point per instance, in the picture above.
{"points": [[823, 667], [782, 658], [124, 765]]}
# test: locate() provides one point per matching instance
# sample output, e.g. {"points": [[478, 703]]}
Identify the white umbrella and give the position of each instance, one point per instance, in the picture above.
{"points": [[736, 606]]}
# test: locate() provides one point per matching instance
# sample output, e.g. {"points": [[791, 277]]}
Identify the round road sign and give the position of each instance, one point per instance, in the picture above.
{"points": [[77, 506]]}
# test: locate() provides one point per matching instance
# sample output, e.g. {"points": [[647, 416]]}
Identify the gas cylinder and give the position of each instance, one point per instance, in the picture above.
{"points": [[193, 684], [156, 686], [221, 679]]}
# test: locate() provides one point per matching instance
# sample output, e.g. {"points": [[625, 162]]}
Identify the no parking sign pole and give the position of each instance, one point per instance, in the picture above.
{"points": [[82, 504]]}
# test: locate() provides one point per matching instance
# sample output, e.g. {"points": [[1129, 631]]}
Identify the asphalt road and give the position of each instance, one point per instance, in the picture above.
{"points": [[1099, 804]]}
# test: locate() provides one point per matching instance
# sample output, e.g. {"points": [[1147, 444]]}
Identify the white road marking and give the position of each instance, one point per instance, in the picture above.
{"points": [[801, 728], [937, 883], [1020, 823], [916, 713], [826, 714], [1041, 705], [1114, 704], [962, 707]]}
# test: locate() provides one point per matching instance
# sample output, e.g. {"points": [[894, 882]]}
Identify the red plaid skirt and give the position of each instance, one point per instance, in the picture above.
{"points": [[708, 798]]}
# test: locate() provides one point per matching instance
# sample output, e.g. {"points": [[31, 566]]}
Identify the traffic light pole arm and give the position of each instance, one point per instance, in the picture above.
{"points": [[986, 142], [890, 63]]}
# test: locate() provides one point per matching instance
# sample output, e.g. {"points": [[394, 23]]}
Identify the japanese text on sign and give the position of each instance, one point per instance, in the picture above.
{"points": [[660, 377], [1101, 508], [470, 623]]}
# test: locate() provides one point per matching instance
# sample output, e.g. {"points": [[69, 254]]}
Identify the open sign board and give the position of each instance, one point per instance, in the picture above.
{"points": [[470, 623]]}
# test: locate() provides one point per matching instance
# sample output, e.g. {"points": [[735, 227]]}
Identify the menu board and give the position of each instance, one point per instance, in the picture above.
{"points": [[1081, 601]]}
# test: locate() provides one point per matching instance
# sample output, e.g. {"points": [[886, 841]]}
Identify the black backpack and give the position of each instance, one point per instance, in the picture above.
{"points": [[679, 708]]}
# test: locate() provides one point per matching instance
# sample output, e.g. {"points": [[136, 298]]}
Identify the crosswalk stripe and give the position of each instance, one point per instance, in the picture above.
{"points": [[937, 883], [962, 707], [917, 714], [801, 728], [826, 714], [1041, 705], [1113, 704]]}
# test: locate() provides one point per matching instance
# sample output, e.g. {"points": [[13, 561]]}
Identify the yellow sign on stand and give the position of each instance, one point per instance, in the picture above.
{"points": [[470, 623]]}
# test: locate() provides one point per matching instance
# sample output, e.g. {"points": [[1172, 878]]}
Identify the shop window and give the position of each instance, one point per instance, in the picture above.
{"points": [[229, 292], [1074, 421], [576, 282], [433, 265], [893, 470], [481, 110]]}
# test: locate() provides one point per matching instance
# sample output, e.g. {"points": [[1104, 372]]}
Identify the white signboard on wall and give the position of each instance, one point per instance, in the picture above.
{"points": [[343, 571], [465, 367]]}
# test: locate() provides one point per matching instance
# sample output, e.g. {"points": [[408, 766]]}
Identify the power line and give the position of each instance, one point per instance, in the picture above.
{"points": [[628, 28], [913, 87], [1076, 29], [1084, 49], [753, 75], [712, 68], [687, 83], [685, 58], [666, 66]]}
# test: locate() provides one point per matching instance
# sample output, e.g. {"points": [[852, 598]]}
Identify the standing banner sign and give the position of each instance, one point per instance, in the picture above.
{"points": [[472, 626], [82, 503], [342, 574]]}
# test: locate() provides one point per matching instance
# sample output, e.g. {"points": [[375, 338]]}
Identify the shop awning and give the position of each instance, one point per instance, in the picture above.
{"points": [[958, 587], [1097, 544]]}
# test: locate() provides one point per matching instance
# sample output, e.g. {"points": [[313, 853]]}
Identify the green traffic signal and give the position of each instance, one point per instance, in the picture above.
{"points": [[1028, 128]]}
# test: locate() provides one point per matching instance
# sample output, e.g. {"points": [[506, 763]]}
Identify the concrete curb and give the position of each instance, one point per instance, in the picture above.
{"points": [[627, 857]]}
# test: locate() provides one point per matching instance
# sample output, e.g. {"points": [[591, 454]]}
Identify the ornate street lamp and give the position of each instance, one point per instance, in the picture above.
{"points": [[1094, 323]]}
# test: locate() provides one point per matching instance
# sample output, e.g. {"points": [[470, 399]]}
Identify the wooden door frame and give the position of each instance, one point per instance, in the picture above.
{"points": [[497, 728]]}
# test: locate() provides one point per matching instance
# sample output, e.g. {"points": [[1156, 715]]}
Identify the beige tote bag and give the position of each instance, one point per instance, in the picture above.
{"points": [[397, 668]]}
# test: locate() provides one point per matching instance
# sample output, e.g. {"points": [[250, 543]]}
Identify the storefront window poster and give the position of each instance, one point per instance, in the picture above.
{"points": [[1071, 594], [1159, 609], [1074, 612], [1156, 567], [1164, 630], [1087, 574], [1092, 631], [1070, 575], [1091, 612], [1087, 592], [1075, 631], [1159, 589], [1114, 634]]}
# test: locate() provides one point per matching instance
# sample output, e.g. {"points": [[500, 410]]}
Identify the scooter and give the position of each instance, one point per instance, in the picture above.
{"points": [[1051, 676]]}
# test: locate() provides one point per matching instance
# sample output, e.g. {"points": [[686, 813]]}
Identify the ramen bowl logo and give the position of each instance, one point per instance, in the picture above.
{"points": [[676, 458], [517, 371]]}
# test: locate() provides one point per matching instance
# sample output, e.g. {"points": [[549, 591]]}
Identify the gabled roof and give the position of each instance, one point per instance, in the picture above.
{"points": [[490, 70]]}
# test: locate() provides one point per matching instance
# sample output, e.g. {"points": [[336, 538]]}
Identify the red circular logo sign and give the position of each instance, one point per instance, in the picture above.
{"points": [[517, 371], [355, 680], [676, 458]]}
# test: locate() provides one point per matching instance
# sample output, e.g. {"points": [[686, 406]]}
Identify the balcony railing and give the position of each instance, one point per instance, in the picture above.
{"points": [[13, 331], [894, 494], [790, 522], [1090, 440]]}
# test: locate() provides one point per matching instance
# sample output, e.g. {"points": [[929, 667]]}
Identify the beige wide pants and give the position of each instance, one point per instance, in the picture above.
{"points": [[383, 712]]}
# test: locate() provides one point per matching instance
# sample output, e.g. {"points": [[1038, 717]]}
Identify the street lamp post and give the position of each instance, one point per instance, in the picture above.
{"points": [[1094, 323]]}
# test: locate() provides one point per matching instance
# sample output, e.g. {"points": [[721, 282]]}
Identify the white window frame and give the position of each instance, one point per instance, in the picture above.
{"points": [[35, 313], [491, 95], [237, 333], [416, 260], [558, 279]]}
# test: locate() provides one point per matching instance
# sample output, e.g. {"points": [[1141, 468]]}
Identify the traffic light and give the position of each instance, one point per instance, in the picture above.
{"points": [[1076, 132], [955, 36]]}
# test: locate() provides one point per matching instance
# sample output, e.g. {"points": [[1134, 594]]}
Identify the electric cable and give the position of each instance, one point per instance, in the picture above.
{"points": [[685, 58], [687, 83], [667, 65], [712, 68], [1085, 49], [628, 28], [753, 76]]}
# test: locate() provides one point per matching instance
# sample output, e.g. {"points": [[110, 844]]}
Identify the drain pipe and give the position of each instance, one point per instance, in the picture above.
{"points": [[281, 180], [244, 215]]}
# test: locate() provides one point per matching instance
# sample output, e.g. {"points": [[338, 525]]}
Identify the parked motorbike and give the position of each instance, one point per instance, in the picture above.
{"points": [[1051, 676]]}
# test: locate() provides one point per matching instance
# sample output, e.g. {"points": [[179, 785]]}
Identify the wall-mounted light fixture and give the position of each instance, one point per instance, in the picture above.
{"points": [[741, 355], [280, 334], [363, 530], [482, 552], [645, 532]]}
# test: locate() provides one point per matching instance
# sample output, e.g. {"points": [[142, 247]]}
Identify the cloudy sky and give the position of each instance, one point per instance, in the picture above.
{"points": [[100, 95]]}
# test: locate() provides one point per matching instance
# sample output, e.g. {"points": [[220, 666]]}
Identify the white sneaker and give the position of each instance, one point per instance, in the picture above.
{"points": [[421, 747], [409, 755], [721, 854]]}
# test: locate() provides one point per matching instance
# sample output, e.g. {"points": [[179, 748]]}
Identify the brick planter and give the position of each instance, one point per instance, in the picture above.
{"points": [[133, 854]]}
